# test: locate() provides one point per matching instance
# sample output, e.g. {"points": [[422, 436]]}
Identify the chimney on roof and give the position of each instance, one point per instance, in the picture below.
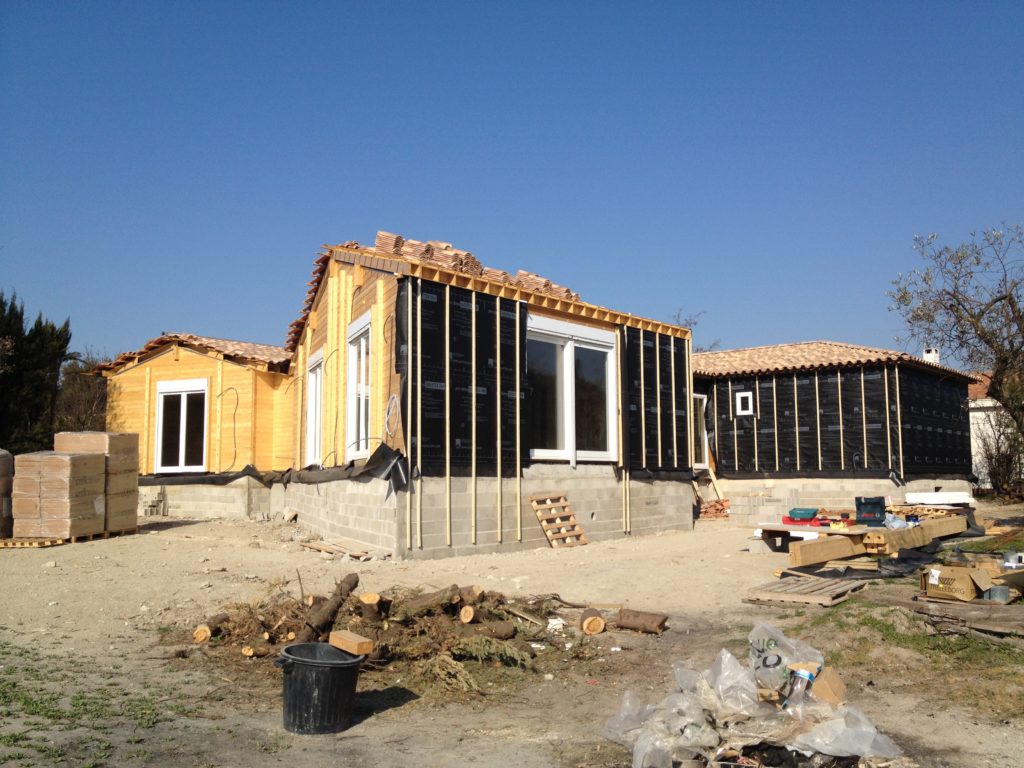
{"points": [[931, 355]]}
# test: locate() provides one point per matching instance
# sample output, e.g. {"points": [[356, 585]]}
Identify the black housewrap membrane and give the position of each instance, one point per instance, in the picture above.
{"points": [[847, 412], [429, 354], [648, 439]]}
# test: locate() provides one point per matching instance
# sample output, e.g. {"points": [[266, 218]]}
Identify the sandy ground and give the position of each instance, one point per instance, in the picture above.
{"points": [[98, 612]]}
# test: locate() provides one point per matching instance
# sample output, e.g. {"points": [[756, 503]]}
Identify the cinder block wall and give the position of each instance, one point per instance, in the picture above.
{"points": [[245, 498], [763, 501], [355, 510]]}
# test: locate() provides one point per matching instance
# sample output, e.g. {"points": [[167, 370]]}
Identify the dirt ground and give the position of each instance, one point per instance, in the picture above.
{"points": [[94, 670]]}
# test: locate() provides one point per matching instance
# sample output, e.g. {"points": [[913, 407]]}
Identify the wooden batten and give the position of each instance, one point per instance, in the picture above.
{"points": [[419, 414], [497, 394], [817, 416], [643, 408], [899, 417], [448, 418], [775, 419], [888, 417], [675, 420], [472, 427], [864, 415], [839, 398], [657, 388], [408, 410], [757, 421], [519, 435]]}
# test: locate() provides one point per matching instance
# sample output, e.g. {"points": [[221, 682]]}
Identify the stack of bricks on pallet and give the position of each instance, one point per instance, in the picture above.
{"points": [[121, 489], [57, 495]]}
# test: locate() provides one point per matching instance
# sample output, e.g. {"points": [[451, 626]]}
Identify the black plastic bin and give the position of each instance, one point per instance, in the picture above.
{"points": [[319, 686]]}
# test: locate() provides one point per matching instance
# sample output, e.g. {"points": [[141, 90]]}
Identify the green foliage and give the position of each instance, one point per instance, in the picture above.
{"points": [[30, 362], [82, 399]]}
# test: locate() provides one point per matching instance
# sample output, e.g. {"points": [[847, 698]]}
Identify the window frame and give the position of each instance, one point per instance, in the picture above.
{"points": [[180, 387], [357, 420], [567, 337], [738, 398], [314, 418]]}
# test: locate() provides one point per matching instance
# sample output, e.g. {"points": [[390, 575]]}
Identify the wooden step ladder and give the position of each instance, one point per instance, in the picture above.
{"points": [[557, 519]]}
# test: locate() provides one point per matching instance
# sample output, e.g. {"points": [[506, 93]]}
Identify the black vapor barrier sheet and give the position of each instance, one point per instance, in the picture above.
{"points": [[655, 429], [426, 377], [935, 425]]}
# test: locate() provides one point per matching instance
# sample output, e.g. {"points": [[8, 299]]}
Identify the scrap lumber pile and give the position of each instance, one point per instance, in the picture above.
{"points": [[57, 495], [714, 510]]}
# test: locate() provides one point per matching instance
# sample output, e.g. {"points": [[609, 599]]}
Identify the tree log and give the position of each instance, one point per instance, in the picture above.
{"points": [[256, 651], [432, 602], [592, 622], [311, 601], [373, 607], [524, 647], [474, 614], [471, 595], [642, 621], [499, 630], [321, 619], [212, 627]]}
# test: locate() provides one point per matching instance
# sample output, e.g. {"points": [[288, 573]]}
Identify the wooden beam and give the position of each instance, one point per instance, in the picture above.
{"points": [[824, 549]]}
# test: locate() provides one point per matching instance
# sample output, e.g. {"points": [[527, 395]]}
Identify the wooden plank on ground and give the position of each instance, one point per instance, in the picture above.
{"points": [[809, 591], [823, 550]]}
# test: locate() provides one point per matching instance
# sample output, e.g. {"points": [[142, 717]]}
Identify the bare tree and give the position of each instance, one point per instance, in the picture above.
{"points": [[690, 321], [969, 299], [82, 399]]}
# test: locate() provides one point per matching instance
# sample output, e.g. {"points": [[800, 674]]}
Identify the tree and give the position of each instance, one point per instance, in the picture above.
{"points": [[969, 299], [29, 377], [82, 399], [690, 321]]}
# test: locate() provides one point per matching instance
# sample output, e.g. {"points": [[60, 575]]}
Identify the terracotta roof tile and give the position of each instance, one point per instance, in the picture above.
{"points": [[237, 350], [806, 355]]}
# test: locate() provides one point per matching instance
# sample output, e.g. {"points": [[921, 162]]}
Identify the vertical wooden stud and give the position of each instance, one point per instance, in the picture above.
{"points": [[519, 437], [408, 409], [472, 415], [817, 416], [839, 391], [673, 401], [447, 418], [497, 394], [796, 422], [419, 412], [864, 415], [657, 390], [888, 418], [899, 417]]}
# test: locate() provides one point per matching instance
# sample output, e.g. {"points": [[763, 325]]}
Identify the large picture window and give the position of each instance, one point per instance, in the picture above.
{"points": [[571, 391], [314, 409], [181, 426], [358, 395]]}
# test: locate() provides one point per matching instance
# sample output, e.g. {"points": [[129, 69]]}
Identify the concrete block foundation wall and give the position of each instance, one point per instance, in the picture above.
{"points": [[414, 523], [245, 498], [762, 501]]}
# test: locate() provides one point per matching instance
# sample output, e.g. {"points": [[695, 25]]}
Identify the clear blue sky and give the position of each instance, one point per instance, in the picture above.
{"points": [[176, 166]]}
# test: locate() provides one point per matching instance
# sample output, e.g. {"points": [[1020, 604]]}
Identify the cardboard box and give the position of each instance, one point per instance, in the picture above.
{"points": [[25, 507], [65, 529], [30, 464], [954, 582], [72, 465], [26, 529], [122, 482], [72, 509], [25, 487], [829, 687]]}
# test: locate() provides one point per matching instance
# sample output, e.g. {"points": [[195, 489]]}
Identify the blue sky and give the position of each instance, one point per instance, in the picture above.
{"points": [[176, 166]]}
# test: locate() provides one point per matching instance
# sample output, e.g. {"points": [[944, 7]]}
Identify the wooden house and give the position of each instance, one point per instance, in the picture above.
{"points": [[201, 404], [490, 387]]}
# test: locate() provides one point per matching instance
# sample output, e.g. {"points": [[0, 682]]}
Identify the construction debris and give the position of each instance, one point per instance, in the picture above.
{"points": [[714, 510], [783, 700]]}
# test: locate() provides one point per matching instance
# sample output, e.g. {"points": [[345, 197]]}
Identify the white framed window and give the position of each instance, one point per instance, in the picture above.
{"points": [[314, 409], [358, 395], [181, 426], [744, 404], [572, 391], [700, 432]]}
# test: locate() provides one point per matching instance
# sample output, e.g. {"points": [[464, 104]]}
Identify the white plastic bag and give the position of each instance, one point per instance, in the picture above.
{"points": [[771, 653], [625, 726], [733, 689]]}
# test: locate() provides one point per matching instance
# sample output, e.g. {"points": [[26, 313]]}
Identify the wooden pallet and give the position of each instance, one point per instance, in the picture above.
{"points": [[804, 589], [56, 542], [557, 520], [335, 549]]}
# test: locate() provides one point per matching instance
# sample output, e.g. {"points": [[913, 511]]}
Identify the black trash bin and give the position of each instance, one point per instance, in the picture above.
{"points": [[319, 686]]}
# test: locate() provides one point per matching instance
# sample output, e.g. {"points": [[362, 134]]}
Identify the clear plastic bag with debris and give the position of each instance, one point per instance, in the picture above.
{"points": [[728, 690], [771, 652], [624, 727], [848, 734]]}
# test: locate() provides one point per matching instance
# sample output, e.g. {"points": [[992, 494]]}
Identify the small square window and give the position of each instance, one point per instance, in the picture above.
{"points": [[744, 403]]}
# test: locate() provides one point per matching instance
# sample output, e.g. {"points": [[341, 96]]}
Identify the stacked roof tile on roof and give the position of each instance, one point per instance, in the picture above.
{"points": [[431, 252], [235, 350], [801, 356]]}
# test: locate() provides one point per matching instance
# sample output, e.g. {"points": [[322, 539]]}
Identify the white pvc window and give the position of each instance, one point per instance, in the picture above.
{"points": [[181, 426], [571, 391], [700, 432], [744, 404], [315, 409], [358, 395]]}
